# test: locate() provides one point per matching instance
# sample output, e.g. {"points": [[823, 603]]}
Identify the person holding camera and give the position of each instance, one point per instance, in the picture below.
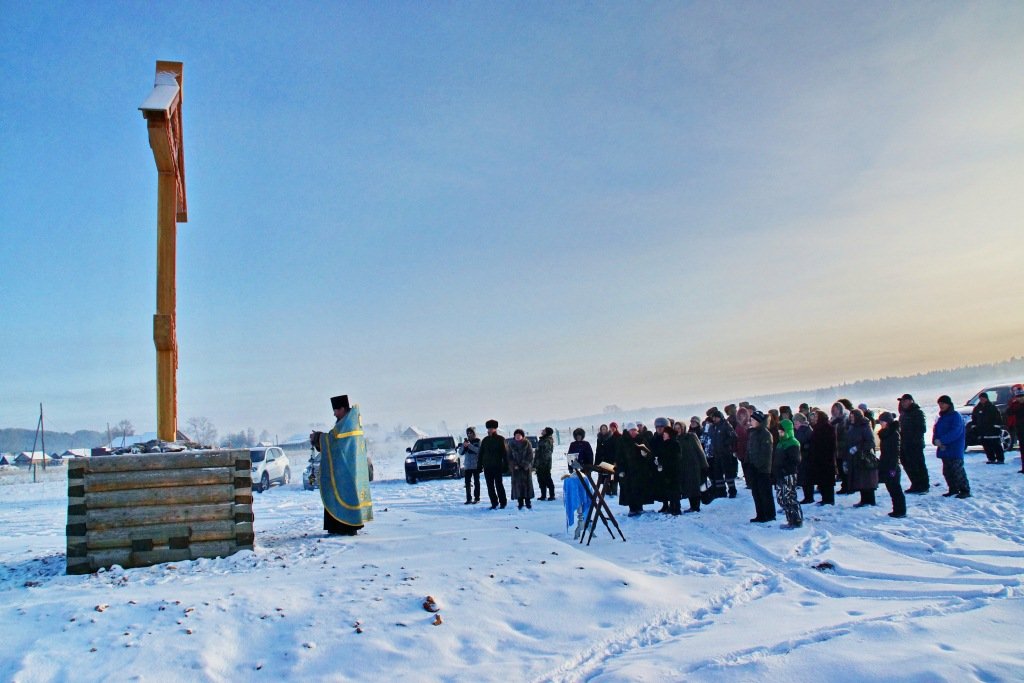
{"points": [[470, 452]]}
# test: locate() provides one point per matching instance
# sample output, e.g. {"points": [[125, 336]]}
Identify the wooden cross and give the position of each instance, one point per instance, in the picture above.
{"points": [[162, 111]]}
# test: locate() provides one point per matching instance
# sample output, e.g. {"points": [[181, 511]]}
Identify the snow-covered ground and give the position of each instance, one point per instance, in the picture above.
{"points": [[935, 596]]}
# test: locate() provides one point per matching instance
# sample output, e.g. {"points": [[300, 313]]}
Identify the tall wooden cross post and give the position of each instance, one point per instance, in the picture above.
{"points": [[162, 111]]}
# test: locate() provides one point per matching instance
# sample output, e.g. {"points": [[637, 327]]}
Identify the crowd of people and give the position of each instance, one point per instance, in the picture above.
{"points": [[803, 455]]}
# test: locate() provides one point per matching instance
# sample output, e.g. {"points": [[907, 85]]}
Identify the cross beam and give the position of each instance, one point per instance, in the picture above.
{"points": [[162, 111]]}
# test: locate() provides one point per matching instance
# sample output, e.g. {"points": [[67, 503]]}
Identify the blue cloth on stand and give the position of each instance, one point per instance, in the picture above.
{"points": [[574, 495]]}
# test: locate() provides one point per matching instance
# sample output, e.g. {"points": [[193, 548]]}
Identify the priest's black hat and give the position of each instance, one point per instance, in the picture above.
{"points": [[340, 402]]}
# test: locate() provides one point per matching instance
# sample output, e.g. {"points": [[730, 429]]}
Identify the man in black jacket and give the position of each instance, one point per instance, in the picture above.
{"points": [[988, 424], [912, 431], [493, 454]]}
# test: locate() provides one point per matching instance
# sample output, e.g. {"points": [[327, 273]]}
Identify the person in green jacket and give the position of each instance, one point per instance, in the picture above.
{"points": [[786, 464]]}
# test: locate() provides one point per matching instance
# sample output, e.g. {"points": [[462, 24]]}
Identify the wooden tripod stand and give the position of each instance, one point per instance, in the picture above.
{"points": [[599, 509]]}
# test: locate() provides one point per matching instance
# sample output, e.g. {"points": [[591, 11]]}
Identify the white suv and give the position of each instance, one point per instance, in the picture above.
{"points": [[269, 465]]}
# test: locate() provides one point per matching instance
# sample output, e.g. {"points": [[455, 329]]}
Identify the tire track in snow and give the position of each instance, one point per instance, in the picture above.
{"points": [[660, 629]]}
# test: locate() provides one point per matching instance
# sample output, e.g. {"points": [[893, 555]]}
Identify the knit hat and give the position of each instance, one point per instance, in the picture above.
{"points": [[1018, 390], [660, 422], [886, 417], [759, 416], [630, 426], [945, 399], [800, 417], [491, 424]]}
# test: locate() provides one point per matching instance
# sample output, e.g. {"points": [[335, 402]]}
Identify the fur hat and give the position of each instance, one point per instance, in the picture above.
{"points": [[547, 431], [340, 402], [578, 433], [759, 416], [491, 424]]}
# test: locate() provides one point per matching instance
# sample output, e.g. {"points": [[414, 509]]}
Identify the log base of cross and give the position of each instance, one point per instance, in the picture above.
{"points": [[141, 510]]}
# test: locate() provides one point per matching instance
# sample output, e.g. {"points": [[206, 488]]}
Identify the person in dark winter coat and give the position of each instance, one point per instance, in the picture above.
{"points": [[693, 469], [912, 431], [542, 463], [840, 422], [722, 457], [1015, 418], [860, 446], [470, 451], [988, 426], [520, 462], [823, 457], [634, 472], [493, 458], [602, 452], [889, 462], [742, 434], [802, 432], [581, 448], [759, 455], [949, 440], [785, 464], [607, 447], [667, 453]]}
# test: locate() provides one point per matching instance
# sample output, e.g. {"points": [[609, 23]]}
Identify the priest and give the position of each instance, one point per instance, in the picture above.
{"points": [[344, 474]]}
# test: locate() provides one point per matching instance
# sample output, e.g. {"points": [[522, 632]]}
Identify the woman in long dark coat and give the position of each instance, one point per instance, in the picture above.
{"points": [[840, 421], [822, 453], [520, 461], [860, 444], [889, 462], [634, 472], [693, 468], [667, 454]]}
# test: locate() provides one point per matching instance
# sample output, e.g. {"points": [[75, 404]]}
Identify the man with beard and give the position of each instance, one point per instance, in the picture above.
{"points": [[344, 471], [912, 431]]}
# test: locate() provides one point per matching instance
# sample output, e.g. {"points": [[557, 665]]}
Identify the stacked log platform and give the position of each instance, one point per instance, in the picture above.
{"points": [[141, 510]]}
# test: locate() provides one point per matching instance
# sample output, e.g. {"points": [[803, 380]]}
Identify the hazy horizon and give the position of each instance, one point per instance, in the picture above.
{"points": [[518, 210]]}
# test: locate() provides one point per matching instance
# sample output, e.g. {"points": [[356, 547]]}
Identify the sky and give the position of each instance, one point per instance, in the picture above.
{"points": [[526, 211]]}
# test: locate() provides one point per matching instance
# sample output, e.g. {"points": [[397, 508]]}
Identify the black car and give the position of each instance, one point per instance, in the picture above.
{"points": [[999, 395], [432, 458]]}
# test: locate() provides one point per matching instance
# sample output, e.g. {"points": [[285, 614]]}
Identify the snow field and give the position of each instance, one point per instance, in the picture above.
{"points": [[934, 596]]}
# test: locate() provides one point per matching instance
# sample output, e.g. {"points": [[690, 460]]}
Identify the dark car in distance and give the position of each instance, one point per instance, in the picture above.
{"points": [[999, 395], [433, 457]]}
